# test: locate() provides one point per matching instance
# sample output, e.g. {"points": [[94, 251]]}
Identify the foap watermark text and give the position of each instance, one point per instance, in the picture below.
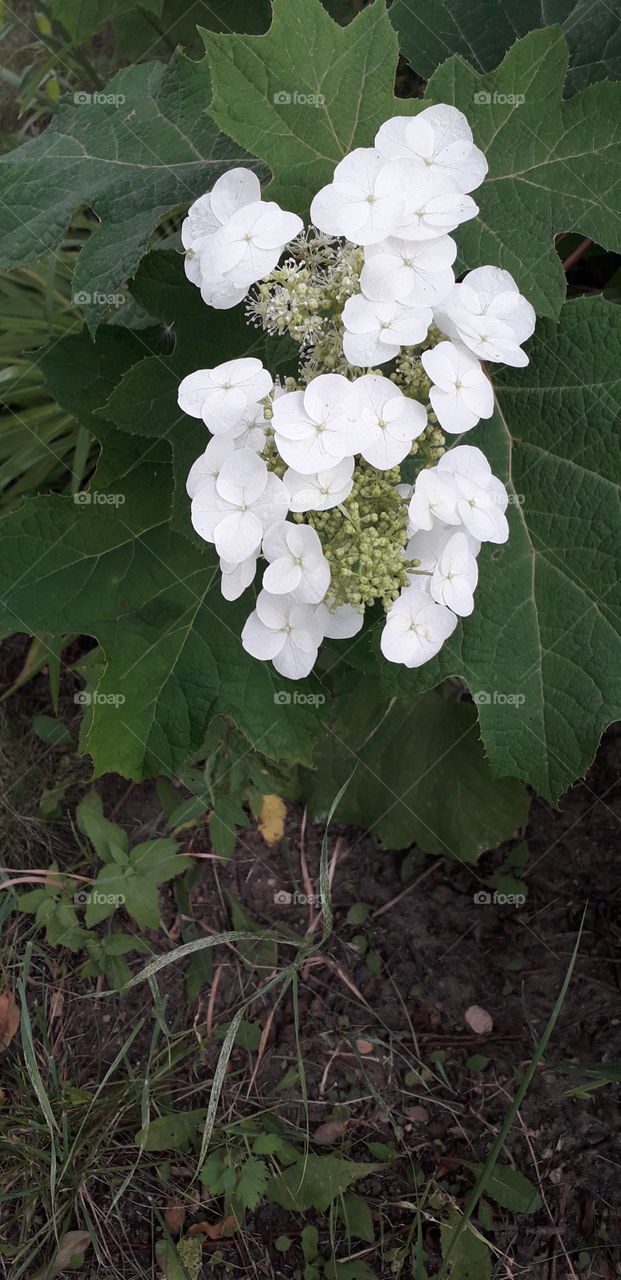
{"points": [[297, 99], [85, 299], [497, 698], [98, 99], [484, 99], [98, 899], [287, 698], [283, 898], [86, 699], [95, 498], [483, 898]]}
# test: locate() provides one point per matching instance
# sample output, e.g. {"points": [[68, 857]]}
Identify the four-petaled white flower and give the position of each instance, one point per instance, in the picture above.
{"points": [[314, 429], [231, 192], [297, 565], [321, 491], [456, 575], [417, 272], [489, 315], [236, 509], [285, 631], [376, 331], [480, 497], [431, 209], [360, 203], [439, 142], [249, 244], [434, 498], [224, 397], [461, 393], [416, 628], [388, 420]]}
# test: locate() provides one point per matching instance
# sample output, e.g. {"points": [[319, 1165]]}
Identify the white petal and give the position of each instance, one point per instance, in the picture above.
{"points": [[275, 541], [341, 623], [232, 191], [238, 536], [466, 460], [235, 578], [282, 576], [294, 662], [259, 640]]}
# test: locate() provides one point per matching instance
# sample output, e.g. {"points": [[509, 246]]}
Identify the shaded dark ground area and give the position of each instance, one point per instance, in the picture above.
{"points": [[383, 1035]]}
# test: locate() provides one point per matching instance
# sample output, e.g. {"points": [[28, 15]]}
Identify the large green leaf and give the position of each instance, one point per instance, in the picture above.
{"points": [[553, 165], [144, 401], [482, 31], [542, 650], [418, 773], [145, 146], [145, 28], [112, 567], [306, 93], [80, 20]]}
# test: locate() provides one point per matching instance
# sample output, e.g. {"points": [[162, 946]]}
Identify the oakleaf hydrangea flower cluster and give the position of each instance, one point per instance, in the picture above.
{"points": [[337, 479]]}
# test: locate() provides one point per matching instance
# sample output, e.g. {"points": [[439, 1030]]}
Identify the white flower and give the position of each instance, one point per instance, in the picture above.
{"points": [[341, 623], [376, 331], [286, 631], [416, 628], [254, 429], [389, 421], [435, 498], [236, 577], [297, 565], [245, 500], [455, 576], [431, 209], [361, 202], [231, 191], [461, 393], [439, 142], [223, 397], [249, 244], [481, 497], [480, 511], [467, 460], [321, 491], [489, 315], [206, 469], [416, 272], [427, 546], [314, 429]]}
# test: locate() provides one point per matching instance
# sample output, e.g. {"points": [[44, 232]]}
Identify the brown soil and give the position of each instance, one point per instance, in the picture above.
{"points": [[383, 1034]]}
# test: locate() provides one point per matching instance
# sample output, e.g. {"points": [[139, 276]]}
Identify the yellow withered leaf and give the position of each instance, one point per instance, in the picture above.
{"points": [[272, 819]]}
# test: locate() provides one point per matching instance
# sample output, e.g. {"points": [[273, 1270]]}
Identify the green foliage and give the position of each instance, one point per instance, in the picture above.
{"points": [[348, 74], [148, 147], [482, 31], [510, 1189], [406, 757], [129, 571], [314, 1182], [54, 911], [537, 653], [41, 446], [470, 1258], [553, 165], [129, 877]]}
